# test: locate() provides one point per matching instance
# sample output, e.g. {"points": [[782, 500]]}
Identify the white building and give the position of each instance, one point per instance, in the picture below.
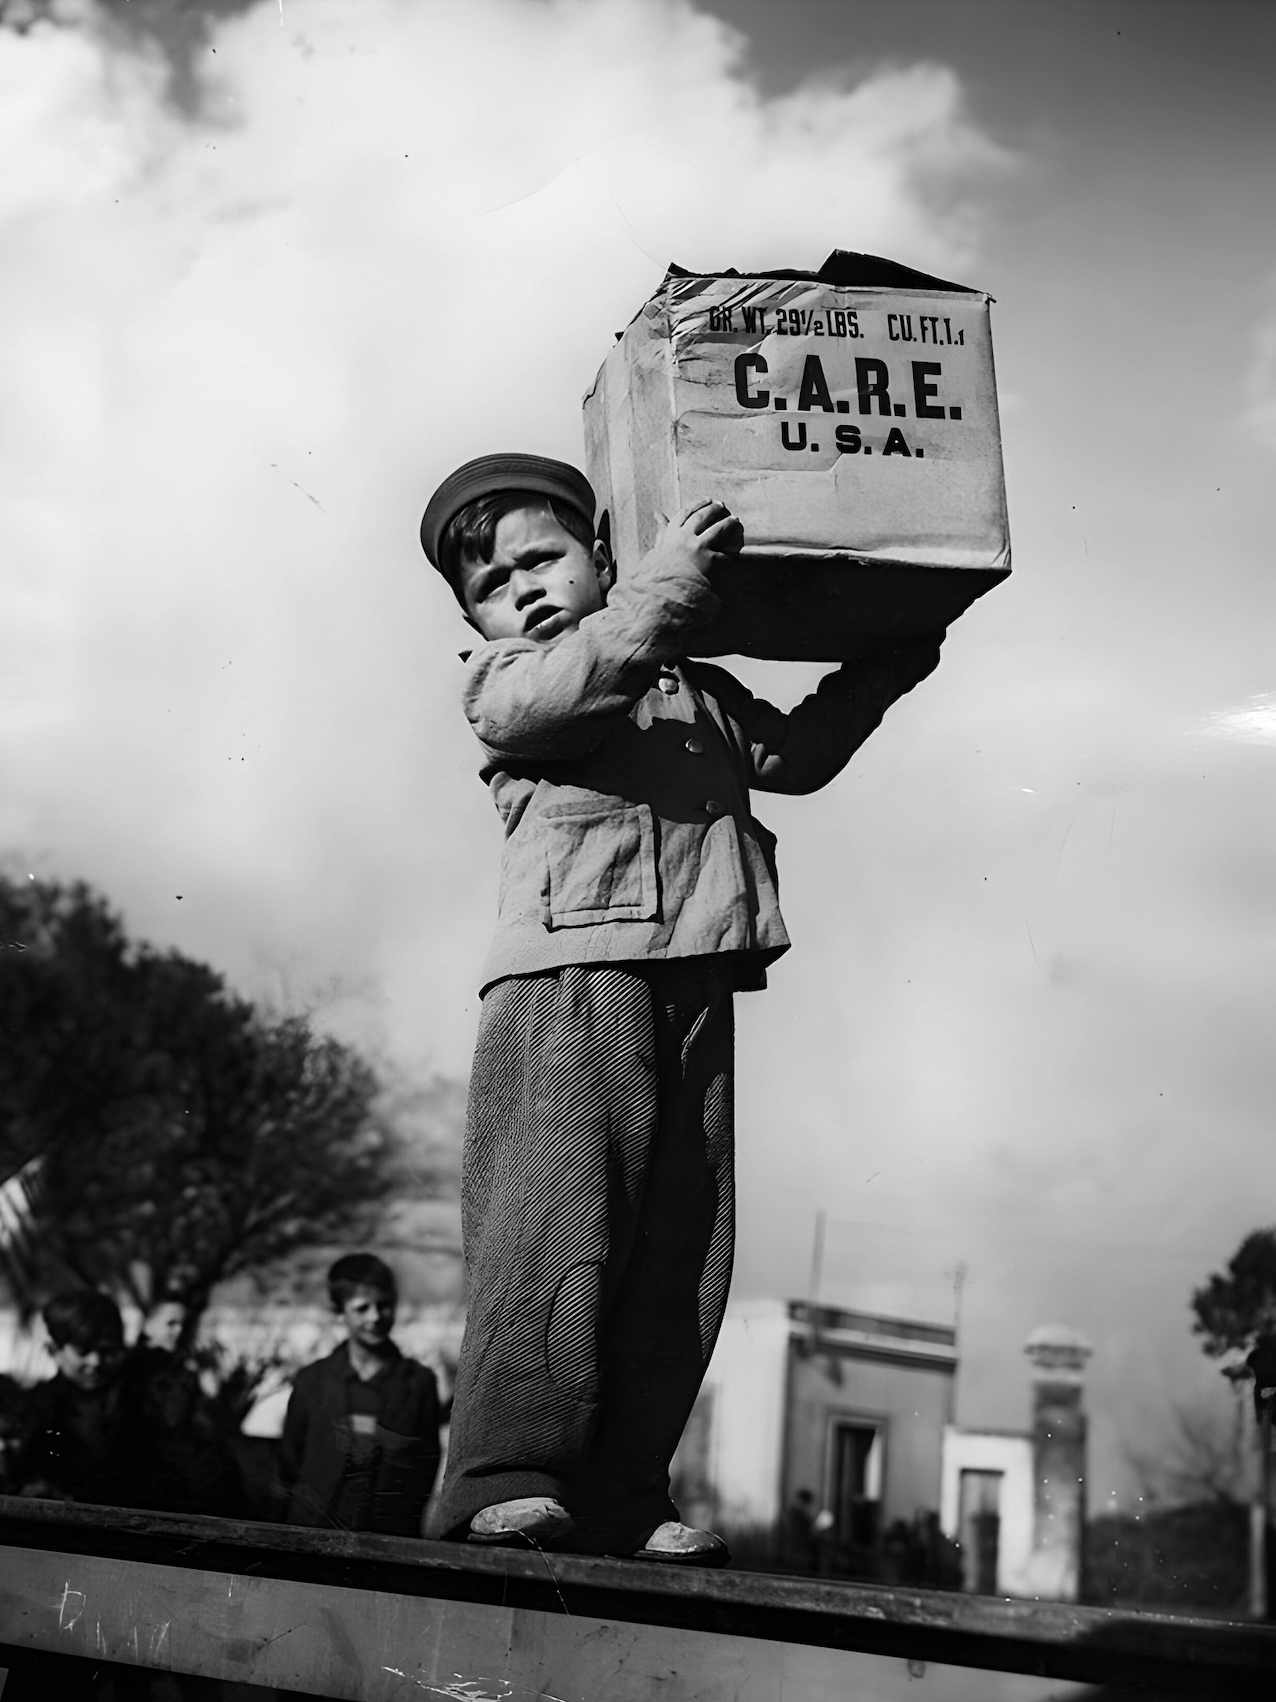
{"points": [[1015, 1501], [846, 1409]]}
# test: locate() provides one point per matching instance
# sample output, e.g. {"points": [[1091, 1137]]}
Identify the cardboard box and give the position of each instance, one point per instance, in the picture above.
{"points": [[849, 417]]}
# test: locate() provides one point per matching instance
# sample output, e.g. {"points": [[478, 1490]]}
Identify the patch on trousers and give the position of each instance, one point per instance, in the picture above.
{"points": [[571, 1332]]}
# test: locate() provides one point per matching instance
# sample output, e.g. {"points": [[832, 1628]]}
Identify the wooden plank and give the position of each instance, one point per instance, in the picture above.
{"points": [[1053, 1639], [372, 1646]]}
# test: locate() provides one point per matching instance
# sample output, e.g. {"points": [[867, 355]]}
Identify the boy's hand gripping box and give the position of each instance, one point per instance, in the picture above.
{"points": [[849, 417]]}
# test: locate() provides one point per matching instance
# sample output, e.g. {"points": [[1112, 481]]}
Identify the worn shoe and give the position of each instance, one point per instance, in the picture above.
{"points": [[675, 1544], [534, 1520]]}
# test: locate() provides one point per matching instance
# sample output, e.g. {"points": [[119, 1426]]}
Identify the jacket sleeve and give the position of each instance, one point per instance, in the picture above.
{"points": [[32, 1465], [292, 1444], [560, 699], [428, 1425], [804, 748]]}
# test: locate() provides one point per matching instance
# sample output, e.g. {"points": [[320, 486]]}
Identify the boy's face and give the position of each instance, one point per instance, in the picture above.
{"points": [[540, 581], [90, 1367], [368, 1316]]}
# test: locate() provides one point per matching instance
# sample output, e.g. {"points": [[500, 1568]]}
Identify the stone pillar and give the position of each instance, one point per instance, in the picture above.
{"points": [[1058, 1354]]}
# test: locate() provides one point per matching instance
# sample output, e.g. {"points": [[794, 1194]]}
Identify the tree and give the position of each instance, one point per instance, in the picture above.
{"points": [[1233, 1310], [1236, 1313], [1199, 1460], [177, 1136]]}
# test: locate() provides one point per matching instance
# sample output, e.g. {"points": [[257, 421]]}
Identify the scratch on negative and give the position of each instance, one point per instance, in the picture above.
{"points": [[276, 468], [518, 200], [70, 1599], [301, 488], [277, 1636], [157, 1638], [1059, 865], [467, 1690]]}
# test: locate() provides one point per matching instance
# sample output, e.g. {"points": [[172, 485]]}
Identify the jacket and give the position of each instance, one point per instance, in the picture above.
{"points": [[622, 776], [81, 1445], [190, 1467], [317, 1453]]}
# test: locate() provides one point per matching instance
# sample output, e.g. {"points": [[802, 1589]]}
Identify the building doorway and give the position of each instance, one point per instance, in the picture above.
{"points": [[979, 1530], [857, 1483]]}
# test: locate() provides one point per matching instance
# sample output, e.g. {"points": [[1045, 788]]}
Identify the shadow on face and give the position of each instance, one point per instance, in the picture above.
{"points": [[89, 1365]]}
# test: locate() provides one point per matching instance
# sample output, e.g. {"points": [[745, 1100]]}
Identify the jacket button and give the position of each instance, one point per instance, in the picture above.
{"points": [[667, 684], [712, 807], [695, 747]]}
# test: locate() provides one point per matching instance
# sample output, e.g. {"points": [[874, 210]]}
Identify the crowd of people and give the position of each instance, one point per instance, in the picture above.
{"points": [[132, 1426]]}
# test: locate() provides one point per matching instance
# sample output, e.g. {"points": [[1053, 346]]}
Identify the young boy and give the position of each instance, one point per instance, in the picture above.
{"points": [[638, 893], [191, 1467], [78, 1441], [361, 1435]]}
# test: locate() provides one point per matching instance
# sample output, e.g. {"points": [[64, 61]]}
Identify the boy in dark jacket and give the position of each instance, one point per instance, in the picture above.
{"points": [[638, 895], [361, 1435], [78, 1439]]}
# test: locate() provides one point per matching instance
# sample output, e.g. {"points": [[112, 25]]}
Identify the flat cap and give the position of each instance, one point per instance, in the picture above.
{"points": [[492, 473]]}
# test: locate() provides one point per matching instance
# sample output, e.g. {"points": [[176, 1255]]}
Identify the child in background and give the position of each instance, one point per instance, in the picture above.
{"points": [[79, 1438], [360, 1445], [190, 1464], [165, 1325], [638, 894]]}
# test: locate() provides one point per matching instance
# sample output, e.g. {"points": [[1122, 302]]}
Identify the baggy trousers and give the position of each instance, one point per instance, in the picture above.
{"points": [[598, 1209]]}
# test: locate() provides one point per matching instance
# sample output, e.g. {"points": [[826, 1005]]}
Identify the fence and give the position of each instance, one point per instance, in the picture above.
{"points": [[255, 1609]]}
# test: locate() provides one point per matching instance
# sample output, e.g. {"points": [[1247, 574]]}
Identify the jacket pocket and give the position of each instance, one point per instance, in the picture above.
{"points": [[601, 864]]}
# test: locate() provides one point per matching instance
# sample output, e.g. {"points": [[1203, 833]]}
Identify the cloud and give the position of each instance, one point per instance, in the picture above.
{"points": [[241, 348], [1250, 723]]}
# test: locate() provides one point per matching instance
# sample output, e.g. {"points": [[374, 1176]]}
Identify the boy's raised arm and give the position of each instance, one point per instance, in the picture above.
{"points": [[804, 748], [531, 699]]}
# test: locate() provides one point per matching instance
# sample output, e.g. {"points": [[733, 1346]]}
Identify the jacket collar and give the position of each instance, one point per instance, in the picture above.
{"points": [[342, 1355]]}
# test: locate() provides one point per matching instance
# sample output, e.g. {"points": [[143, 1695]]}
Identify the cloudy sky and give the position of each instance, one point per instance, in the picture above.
{"points": [[261, 287]]}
